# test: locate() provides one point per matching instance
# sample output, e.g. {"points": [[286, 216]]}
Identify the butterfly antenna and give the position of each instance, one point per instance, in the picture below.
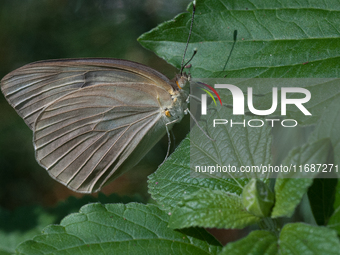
{"points": [[231, 51], [193, 55], [186, 46]]}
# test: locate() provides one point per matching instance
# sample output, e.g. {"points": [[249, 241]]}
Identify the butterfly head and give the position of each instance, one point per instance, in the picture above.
{"points": [[179, 95], [181, 81]]}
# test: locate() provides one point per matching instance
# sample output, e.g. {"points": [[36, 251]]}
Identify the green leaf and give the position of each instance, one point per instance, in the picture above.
{"points": [[5, 252], [26, 222], [289, 193], [321, 197], [237, 146], [300, 238], [275, 38], [257, 198], [119, 229], [289, 189], [256, 243], [334, 221], [211, 209], [172, 180], [328, 127]]}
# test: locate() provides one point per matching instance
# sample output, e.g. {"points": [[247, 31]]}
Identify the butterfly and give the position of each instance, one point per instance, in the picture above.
{"points": [[94, 118]]}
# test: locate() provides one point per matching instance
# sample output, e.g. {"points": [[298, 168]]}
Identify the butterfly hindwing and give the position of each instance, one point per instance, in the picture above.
{"points": [[83, 138]]}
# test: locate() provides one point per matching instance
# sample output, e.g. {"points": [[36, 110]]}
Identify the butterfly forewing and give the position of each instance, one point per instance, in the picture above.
{"points": [[32, 87]]}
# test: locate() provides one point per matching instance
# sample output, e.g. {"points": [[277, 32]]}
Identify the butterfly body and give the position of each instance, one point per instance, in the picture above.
{"points": [[93, 119]]}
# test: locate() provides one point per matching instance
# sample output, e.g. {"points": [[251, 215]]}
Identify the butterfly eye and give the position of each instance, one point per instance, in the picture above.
{"points": [[178, 85]]}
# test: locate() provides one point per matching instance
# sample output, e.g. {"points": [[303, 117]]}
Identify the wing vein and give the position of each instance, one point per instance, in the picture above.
{"points": [[121, 149]]}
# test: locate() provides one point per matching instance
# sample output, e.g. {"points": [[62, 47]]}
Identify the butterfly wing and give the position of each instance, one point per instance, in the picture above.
{"points": [[92, 119], [32, 87], [85, 137]]}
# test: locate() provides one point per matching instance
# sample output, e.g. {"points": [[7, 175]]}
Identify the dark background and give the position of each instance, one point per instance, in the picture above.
{"points": [[39, 30]]}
